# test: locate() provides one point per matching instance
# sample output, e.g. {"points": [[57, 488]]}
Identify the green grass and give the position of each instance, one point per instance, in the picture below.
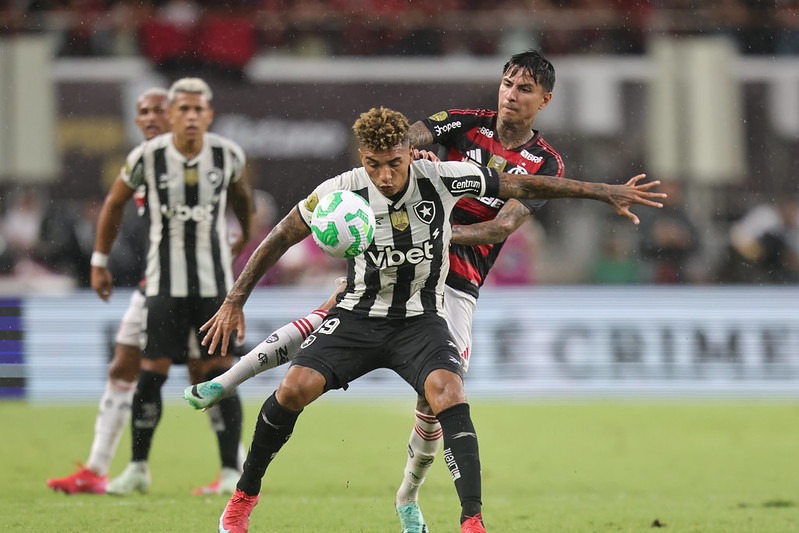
{"points": [[582, 467]]}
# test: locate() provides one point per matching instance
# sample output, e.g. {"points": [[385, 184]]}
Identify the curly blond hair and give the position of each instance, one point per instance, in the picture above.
{"points": [[381, 129]]}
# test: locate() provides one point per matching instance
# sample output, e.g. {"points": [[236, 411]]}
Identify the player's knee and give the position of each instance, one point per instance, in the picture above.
{"points": [[423, 406], [443, 389], [150, 384], [299, 388], [126, 363]]}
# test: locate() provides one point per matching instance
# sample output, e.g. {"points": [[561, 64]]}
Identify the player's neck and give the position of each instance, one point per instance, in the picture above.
{"points": [[514, 135], [188, 148]]}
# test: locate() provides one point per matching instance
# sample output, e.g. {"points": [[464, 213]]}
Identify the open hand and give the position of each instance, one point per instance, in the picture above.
{"points": [[219, 329], [621, 197]]}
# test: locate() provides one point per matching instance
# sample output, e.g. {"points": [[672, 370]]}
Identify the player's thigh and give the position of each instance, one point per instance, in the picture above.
{"points": [[422, 345], [166, 326], [460, 308], [343, 348], [130, 327]]}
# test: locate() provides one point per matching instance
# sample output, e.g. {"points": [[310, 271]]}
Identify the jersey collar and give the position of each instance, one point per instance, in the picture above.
{"points": [[173, 151]]}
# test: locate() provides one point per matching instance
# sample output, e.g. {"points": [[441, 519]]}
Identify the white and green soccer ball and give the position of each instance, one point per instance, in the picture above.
{"points": [[343, 224]]}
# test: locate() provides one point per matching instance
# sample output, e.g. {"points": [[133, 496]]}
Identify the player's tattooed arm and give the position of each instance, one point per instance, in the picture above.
{"points": [[419, 135], [619, 197], [509, 218], [288, 232]]}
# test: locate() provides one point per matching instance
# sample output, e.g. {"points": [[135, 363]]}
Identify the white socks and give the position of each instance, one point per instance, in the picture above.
{"points": [[422, 449], [277, 349], [112, 417]]}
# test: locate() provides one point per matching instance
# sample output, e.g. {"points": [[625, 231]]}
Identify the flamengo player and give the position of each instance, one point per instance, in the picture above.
{"points": [[505, 141]]}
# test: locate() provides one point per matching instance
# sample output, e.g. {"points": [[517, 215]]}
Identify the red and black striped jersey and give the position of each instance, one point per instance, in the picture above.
{"points": [[471, 135]]}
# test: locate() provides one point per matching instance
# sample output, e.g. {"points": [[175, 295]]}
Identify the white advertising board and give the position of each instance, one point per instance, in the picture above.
{"points": [[529, 342]]}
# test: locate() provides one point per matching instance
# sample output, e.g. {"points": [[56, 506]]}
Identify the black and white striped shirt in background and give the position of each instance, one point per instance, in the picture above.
{"points": [[189, 253], [402, 273]]}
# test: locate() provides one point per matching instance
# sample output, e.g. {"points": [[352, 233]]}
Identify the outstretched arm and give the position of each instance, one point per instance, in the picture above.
{"points": [[620, 197], [510, 217], [230, 316]]}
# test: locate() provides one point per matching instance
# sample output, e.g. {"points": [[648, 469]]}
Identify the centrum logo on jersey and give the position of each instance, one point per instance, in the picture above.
{"points": [[311, 202], [466, 184], [391, 257], [447, 127], [184, 213], [439, 117]]}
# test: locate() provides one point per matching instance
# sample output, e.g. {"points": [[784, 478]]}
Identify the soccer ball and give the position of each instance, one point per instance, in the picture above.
{"points": [[343, 224]]}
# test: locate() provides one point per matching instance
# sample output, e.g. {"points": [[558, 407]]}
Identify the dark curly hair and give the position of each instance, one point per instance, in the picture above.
{"points": [[381, 129]]}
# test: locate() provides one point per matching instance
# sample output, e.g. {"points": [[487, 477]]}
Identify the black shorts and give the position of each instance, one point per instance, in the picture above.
{"points": [[347, 346], [169, 321]]}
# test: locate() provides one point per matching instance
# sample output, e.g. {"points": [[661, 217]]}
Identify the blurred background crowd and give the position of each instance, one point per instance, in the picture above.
{"points": [[748, 234], [168, 30]]}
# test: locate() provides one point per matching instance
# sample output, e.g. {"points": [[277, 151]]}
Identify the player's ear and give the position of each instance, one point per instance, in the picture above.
{"points": [[547, 98]]}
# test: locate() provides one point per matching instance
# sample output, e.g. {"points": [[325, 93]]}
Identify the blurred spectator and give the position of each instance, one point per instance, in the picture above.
{"points": [[226, 41], [44, 237], [786, 19], [516, 265], [617, 262], [394, 27], [167, 39], [764, 245], [668, 237]]}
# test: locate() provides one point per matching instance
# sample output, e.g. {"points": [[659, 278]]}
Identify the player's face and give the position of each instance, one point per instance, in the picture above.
{"points": [[151, 116], [190, 115], [520, 98], [388, 169]]}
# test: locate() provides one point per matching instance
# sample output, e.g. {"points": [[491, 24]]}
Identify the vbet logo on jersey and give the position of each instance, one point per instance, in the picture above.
{"points": [[343, 224]]}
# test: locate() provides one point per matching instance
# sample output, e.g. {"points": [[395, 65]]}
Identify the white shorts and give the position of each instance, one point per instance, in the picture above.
{"points": [[130, 328], [129, 332], [460, 307]]}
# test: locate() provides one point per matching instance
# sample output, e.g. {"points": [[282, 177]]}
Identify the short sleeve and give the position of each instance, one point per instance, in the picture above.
{"points": [[132, 173], [466, 179], [343, 181], [238, 162]]}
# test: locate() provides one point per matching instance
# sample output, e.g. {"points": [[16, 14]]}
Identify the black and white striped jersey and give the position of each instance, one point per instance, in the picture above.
{"points": [[189, 253], [402, 273]]}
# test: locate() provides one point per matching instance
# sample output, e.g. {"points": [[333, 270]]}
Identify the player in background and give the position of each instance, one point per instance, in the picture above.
{"points": [[189, 175], [400, 302], [123, 372], [503, 139]]}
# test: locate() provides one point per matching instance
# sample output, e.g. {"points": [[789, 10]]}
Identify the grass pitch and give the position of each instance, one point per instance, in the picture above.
{"points": [[569, 467]]}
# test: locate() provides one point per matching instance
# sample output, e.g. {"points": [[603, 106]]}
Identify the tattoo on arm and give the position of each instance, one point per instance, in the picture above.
{"points": [[419, 135], [509, 218], [546, 187]]}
